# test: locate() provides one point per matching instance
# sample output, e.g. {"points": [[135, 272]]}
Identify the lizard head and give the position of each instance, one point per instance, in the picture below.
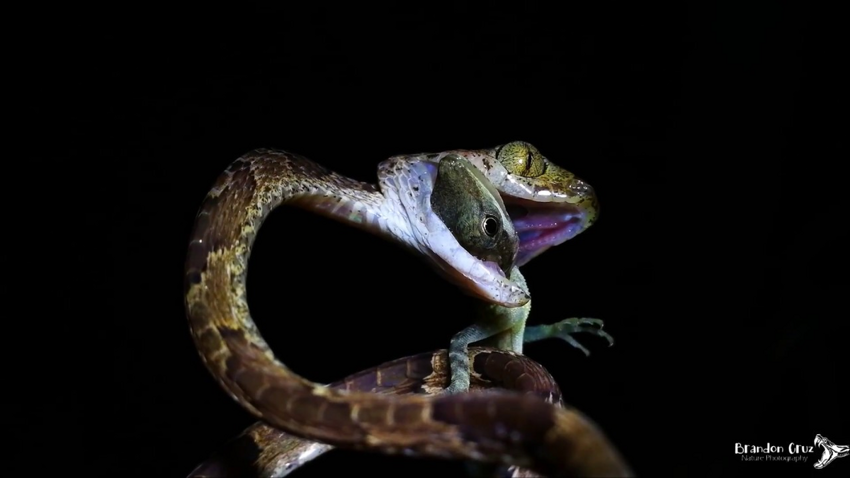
{"points": [[473, 211]]}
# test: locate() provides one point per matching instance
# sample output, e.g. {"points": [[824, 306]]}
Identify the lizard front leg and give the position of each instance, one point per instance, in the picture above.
{"points": [[565, 329], [505, 328], [500, 326]]}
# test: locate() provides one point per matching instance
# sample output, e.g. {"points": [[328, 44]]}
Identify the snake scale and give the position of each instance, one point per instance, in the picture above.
{"points": [[503, 427], [261, 451]]}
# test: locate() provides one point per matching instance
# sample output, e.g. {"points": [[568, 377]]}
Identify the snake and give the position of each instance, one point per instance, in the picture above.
{"points": [[262, 451], [547, 205]]}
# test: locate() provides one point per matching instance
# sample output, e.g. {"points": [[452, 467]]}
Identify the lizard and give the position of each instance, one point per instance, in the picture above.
{"points": [[554, 206]]}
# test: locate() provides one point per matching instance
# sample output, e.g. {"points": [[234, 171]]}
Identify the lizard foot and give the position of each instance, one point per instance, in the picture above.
{"points": [[457, 386], [565, 329]]}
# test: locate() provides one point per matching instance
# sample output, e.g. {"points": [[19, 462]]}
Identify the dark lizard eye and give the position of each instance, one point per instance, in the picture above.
{"points": [[490, 225]]}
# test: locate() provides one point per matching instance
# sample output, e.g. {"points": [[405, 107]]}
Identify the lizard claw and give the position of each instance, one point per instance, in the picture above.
{"points": [[565, 330], [567, 327]]}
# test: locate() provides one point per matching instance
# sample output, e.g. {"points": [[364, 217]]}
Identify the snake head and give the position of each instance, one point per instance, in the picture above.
{"points": [[548, 205], [539, 204]]}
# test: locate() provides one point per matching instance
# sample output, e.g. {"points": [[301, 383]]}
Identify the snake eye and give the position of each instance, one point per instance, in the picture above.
{"points": [[490, 225], [522, 159]]}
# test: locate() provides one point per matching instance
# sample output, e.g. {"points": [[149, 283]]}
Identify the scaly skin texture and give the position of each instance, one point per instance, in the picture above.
{"points": [[265, 452], [506, 428]]}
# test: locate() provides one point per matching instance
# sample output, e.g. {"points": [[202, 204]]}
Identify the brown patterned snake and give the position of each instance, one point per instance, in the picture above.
{"points": [[265, 452], [411, 206]]}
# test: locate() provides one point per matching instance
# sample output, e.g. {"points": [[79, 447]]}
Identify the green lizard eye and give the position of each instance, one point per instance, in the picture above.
{"points": [[522, 159], [490, 225]]}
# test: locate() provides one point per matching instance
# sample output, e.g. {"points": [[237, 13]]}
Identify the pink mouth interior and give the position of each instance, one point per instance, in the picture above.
{"points": [[542, 225]]}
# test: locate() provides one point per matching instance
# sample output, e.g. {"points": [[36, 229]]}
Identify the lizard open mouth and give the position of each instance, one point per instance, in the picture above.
{"points": [[541, 225]]}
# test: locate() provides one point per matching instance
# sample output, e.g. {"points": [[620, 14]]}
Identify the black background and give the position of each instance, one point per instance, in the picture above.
{"points": [[718, 262]]}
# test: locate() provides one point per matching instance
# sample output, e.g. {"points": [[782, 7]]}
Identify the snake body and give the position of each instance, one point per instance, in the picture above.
{"points": [[503, 427], [264, 452]]}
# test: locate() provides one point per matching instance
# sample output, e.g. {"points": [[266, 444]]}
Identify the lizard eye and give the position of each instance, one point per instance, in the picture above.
{"points": [[490, 225], [522, 159]]}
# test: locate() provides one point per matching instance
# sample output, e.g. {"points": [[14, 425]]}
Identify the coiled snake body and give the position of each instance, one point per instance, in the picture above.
{"points": [[504, 427], [261, 451]]}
